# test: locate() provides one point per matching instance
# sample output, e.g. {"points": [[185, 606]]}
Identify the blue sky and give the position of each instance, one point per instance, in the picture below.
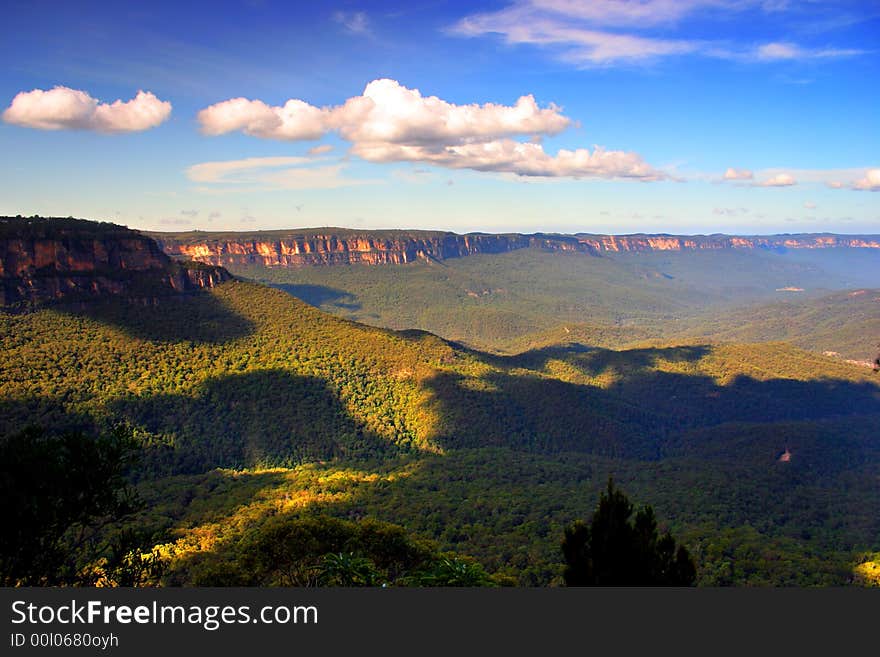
{"points": [[687, 116]]}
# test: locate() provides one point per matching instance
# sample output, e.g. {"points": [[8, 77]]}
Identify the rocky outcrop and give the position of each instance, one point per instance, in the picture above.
{"points": [[44, 260], [343, 246]]}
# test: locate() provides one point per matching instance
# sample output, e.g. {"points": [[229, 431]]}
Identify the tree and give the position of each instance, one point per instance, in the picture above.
{"points": [[55, 493], [612, 550]]}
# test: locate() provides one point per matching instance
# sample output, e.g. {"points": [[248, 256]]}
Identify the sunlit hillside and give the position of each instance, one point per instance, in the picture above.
{"points": [[251, 405]]}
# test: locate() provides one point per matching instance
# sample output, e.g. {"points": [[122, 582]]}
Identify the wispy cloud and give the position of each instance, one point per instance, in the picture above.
{"points": [[783, 51], [392, 123], [320, 150], [610, 32], [63, 108], [730, 212], [355, 22], [268, 174], [175, 221], [235, 171]]}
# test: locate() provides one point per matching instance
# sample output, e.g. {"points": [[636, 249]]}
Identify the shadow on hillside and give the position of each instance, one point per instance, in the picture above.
{"points": [[193, 317], [181, 501], [595, 360], [48, 413], [637, 415], [321, 295], [263, 418]]}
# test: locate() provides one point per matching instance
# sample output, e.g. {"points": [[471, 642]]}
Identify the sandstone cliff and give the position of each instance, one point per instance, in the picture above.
{"points": [[331, 249], [344, 246], [43, 260], [700, 242]]}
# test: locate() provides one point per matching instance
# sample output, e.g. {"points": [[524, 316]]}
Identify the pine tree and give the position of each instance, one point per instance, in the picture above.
{"points": [[612, 550]]}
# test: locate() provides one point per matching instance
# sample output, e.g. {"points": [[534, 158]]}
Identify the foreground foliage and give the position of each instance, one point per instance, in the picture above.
{"points": [[56, 493]]}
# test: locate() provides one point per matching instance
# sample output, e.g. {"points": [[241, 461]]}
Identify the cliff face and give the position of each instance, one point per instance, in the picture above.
{"points": [[371, 247], [701, 242], [329, 249], [44, 260]]}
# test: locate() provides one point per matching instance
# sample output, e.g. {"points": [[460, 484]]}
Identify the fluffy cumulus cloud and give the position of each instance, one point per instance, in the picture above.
{"points": [[779, 180], [392, 123], [62, 108], [294, 120], [738, 174], [870, 183], [387, 112]]}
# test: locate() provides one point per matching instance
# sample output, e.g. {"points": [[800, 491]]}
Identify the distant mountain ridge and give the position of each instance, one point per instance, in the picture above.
{"points": [[334, 246], [54, 259]]}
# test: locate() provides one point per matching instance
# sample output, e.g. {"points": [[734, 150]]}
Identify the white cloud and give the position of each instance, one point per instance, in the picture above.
{"points": [[858, 179], [738, 174], [62, 108], [870, 183], [779, 180], [294, 120], [809, 205], [320, 150], [355, 22], [392, 123], [386, 111], [267, 174]]}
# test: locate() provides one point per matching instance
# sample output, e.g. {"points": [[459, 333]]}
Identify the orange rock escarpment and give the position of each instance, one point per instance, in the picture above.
{"points": [[58, 259], [331, 249], [326, 247]]}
